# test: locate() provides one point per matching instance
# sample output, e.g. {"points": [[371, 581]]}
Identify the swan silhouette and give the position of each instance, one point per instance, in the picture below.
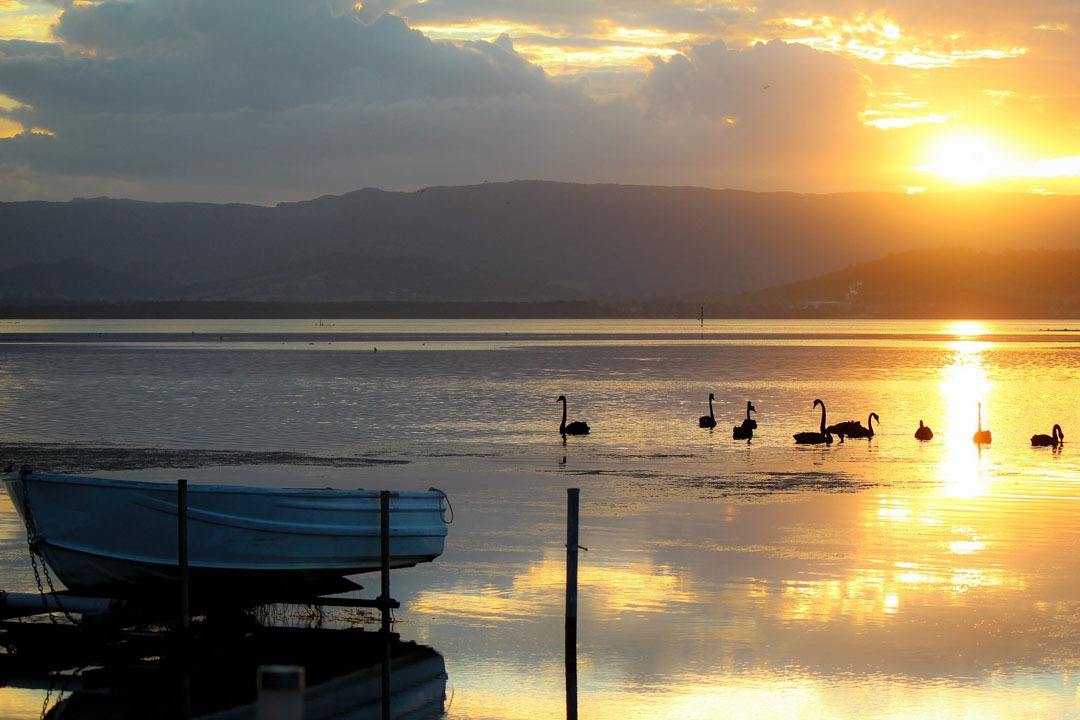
{"points": [[708, 421], [981, 437], [815, 438], [924, 432], [1055, 438], [749, 425], [578, 427], [854, 428]]}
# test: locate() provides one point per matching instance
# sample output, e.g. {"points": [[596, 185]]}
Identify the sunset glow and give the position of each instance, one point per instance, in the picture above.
{"points": [[904, 95], [966, 158], [510, 359], [972, 158]]}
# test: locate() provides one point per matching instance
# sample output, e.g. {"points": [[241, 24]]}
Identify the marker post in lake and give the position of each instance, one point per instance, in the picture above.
{"points": [[572, 496], [182, 558], [572, 526], [384, 597]]}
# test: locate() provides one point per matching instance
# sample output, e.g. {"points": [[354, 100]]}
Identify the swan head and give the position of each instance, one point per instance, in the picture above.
{"points": [[874, 415], [819, 402], [562, 398], [711, 396], [750, 406]]}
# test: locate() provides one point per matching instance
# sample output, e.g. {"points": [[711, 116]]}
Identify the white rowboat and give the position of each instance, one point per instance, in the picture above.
{"points": [[117, 538]]}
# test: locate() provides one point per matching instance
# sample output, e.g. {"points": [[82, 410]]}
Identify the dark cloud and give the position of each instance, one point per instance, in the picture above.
{"points": [[193, 56], [272, 99], [15, 49]]}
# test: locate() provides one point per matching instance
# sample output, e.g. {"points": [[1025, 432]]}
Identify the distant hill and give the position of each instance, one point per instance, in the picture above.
{"points": [[345, 277], [948, 282], [518, 241], [73, 280]]}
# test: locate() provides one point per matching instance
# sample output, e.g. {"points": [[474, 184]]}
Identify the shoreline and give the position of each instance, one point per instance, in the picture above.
{"points": [[494, 310]]}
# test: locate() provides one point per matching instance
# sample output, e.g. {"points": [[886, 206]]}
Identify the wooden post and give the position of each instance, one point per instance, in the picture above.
{"points": [[385, 675], [572, 495], [384, 557], [185, 695], [384, 571], [571, 673], [182, 554]]}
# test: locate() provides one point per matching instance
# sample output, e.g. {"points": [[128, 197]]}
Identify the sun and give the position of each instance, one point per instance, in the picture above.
{"points": [[967, 158]]}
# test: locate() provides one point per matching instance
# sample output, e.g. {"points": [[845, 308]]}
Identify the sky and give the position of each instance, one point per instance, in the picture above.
{"points": [[272, 100]]}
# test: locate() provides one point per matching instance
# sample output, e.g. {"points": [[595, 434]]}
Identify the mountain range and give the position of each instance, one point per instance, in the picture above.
{"points": [[527, 241], [937, 283]]}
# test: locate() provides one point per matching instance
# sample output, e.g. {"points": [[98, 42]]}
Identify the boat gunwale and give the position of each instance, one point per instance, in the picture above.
{"points": [[350, 568], [119, 484]]}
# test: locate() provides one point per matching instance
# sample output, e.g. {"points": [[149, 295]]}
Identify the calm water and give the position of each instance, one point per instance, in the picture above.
{"points": [[882, 580]]}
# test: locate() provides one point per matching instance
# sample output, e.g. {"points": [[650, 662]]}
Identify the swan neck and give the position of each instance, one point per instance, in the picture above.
{"points": [[562, 425], [822, 418]]}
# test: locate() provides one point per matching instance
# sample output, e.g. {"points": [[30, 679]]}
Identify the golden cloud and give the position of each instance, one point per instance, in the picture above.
{"points": [[877, 38], [27, 21]]}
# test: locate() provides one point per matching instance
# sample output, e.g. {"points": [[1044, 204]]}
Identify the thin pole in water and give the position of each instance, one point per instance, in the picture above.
{"points": [[572, 495], [384, 557], [384, 568], [182, 554], [570, 649], [571, 674]]}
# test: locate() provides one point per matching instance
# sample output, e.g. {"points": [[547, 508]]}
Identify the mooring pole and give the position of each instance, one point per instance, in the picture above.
{"points": [[571, 674], [384, 571], [182, 554], [384, 557], [185, 695], [572, 497], [385, 675]]}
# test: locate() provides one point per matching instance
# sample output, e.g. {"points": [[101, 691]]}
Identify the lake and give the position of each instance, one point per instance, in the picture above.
{"points": [[869, 579]]}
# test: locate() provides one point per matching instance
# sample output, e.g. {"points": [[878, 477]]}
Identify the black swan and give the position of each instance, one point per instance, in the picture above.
{"points": [[815, 438], [924, 433], [749, 425], [981, 437], [1055, 438], [578, 427], [854, 428], [708, 421]]}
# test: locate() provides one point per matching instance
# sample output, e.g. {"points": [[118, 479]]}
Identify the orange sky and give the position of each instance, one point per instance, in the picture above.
{"points": [[974, 93], [902, 96]]}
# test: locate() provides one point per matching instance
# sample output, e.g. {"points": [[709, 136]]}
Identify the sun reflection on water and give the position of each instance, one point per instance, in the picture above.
{"points": [[964, 384], [637, 588], [966, 328]]}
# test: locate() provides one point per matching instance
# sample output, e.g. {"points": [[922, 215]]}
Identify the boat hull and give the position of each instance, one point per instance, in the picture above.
{"points": [[119, 537]]}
